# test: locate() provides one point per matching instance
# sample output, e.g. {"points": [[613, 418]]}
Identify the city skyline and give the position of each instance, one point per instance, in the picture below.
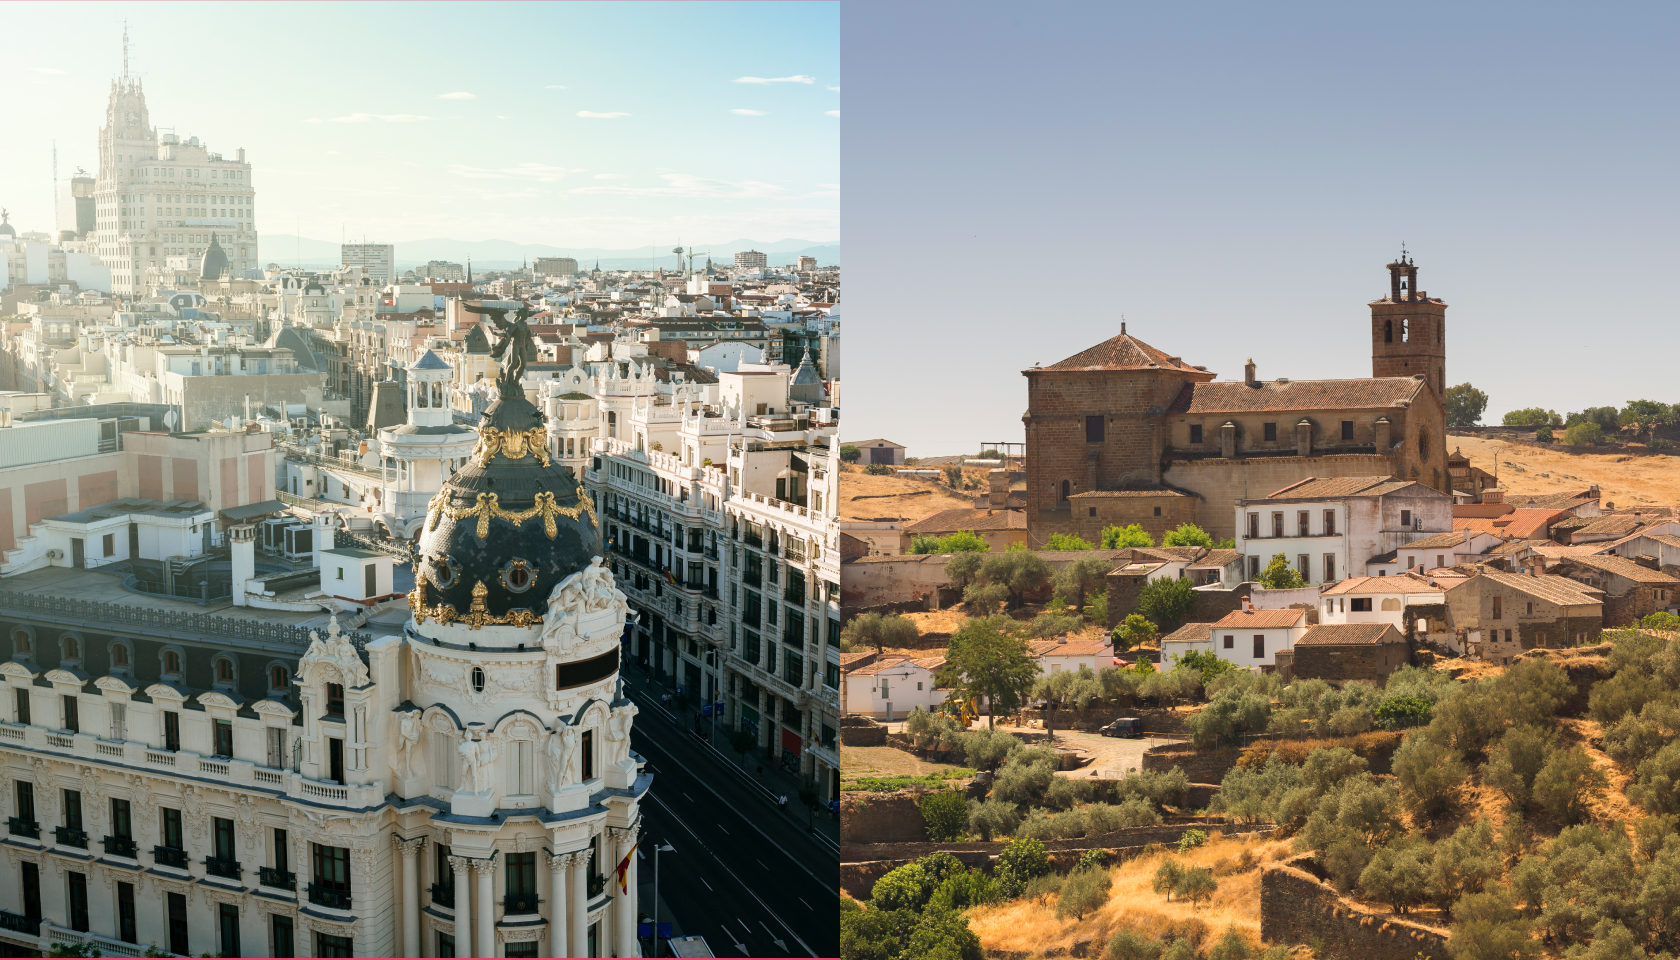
{"points": [[600, 148]]}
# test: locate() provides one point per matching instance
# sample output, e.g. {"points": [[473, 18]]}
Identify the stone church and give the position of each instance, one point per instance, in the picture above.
{"points": [[1125, 433]]}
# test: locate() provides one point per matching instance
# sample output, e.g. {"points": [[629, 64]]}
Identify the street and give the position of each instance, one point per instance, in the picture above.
{"points": [[748, 877]]}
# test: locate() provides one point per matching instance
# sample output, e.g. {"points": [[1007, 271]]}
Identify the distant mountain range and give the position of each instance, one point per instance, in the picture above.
{"points": [[290, 250]]}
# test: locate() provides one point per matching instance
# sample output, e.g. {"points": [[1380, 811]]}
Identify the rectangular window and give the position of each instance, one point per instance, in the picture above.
{"points": [[126, 925], [1405, 518], [1303, 563], [121, 826], [1271, 432], [521, 870], [72, 717], [172, 828], [1440, 560], [25, 794], [1329, 523], [335, 759], [1195, 433], [1411, 561], [1347, 429], [335, 699], [331, 866], [749, 646], [171, 730], [526, 948], [1230, 641], [78, 901], [280, 937], [1093, 429], [446, 945], [1329, 567], [1253, 568], [73, 809], [327, 945], [1498, 608], [31, 890], [178, 924], [1277, 523], [1254, 526], [588, 750], [110, 544], [1361, 604], [1259, 646], [831, 676], [1303, 523], [229, 917], [277, 747], [119, 721], [223, 829], [224, 738], [282, 856], [22, 705]]}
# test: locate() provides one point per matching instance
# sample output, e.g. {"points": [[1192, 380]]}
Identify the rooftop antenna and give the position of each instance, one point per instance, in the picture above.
{"points": [[125, 51]]}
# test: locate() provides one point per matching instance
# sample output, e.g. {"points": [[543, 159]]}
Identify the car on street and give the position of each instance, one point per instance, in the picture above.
{"points": [[1123, 727]]}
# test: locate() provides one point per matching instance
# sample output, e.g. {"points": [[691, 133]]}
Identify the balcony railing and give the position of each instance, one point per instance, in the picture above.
{"points": [[16, 923], [277, 878], [19, 827], [169, 857], [329, 897], [70, 837], [443, 895], [520, 903], [221, 867], [164, 621], [121, 847]]}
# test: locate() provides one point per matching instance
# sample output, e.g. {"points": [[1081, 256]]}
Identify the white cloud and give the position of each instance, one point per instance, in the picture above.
{"points": [[592, 115], [500, 117], [687, 185], [835, 89], [611, 176], [748, 113], [313, 120], [831, 113], [47, 70], [796, 78], [387, 117], [554, 86], [542, 173], [457, 95]]}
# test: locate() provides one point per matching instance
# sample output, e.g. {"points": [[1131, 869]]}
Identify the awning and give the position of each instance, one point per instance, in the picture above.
{"points": [[252, 511], [791, 742]]}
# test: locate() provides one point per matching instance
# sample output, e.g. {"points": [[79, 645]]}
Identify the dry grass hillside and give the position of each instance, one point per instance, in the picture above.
{"points": [[906, 498], [1624, 479]]}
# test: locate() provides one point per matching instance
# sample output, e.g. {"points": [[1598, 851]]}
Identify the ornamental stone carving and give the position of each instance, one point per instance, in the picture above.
{"points": [[336, 650], [408, 734]]}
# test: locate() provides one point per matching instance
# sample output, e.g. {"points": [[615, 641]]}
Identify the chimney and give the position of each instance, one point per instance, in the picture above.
{"points": [[1248, 372], [1592, 492], [1247, 605], [997, 489], [1493, 495]]}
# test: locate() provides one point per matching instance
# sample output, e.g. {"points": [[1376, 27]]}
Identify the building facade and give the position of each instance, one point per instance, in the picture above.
{"points": [[378, 260]]}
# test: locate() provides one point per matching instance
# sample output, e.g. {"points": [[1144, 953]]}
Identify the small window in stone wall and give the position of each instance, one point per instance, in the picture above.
{"points": [[1195, 433], [1271, 432], [1093, 429]]}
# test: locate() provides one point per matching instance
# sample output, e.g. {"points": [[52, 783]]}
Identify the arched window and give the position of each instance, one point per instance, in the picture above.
{"points": [[277, 678], [224, 670], [21, 638], [72, 649], [1405, 330], [1065, 490], [478, 679], [119, 654], [171, 662]]}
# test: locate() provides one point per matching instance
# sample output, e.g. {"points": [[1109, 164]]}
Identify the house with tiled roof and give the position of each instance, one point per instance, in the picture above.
{"points": [[1434, 552], [1495, 615], [1342, 652], [999, 528], [888, 688], [1126, 416], [1332, 527], [1071, 653], [1253, 638], [1658, 550], [1364, 600], [1632, 589]]}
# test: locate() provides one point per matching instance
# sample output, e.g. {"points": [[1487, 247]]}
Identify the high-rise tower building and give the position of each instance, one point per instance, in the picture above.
{"points": [[1409, 330], [159, 197]]}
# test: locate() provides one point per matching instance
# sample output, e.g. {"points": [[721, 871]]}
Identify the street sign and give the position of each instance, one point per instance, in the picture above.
{"points": [[705, 710]]}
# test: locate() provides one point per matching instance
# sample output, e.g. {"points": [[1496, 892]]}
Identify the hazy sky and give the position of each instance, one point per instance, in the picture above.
{"points": [[576, 124], [1232, 178]]}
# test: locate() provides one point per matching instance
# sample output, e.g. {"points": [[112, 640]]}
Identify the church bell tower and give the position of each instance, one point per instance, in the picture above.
{"points": [[1409, 330]]}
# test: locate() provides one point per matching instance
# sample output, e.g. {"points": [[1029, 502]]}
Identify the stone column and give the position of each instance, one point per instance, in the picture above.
{"points": [[624, 898], [486, 870], [558, 905], [580, 903], [463, 898], [411, 892]]}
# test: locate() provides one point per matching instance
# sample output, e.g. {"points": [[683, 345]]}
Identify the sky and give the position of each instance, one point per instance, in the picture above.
{"points": [[1231, 179], [572, 124]]}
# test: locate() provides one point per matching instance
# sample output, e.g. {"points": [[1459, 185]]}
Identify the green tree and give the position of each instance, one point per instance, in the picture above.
{"points": [[1609, 419], [1585, 433], [1085, 890], [1465, 405], [1210, 664], [986, 663], [963, 568], [1079, 576], [1487, 927], [954, 476], [1187, 535], [1022, 572], [1515, 760], [1067, 541], [901, 888], [1544, 435], [849, 453], [1021, 860], [1166, 599], [1198, 885], [1279, 575], [1398, 874], [1136, 631], [1126, 945], [963, 541], [1120, 538], [1567, 784], [1167, 877], [1429, 774], [1051, 624], [1065, 688], [1530, 417], [984, 599], [1230, 947], [946, 814], [880, 631], [1646, 416]]}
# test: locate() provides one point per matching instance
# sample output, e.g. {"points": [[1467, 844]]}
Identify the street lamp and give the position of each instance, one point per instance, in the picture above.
{"points": [[664, 847]]}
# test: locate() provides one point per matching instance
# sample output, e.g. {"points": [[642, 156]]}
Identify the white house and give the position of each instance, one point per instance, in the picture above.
{"points": [[1252, 638], [1062, 653], [890, 687], [1329, 527], [1379, 600], [1433, 552]]}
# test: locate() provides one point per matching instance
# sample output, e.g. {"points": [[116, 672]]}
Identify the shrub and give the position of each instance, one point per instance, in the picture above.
{"points": [[1022, 859], [1041, 889], [946, 815], [1166, 600], [1279, 575], [1084, 891], [1567, 783], [1398, 874], [849, 453], [1168, 876], [991, 819], [986, 749], [1044, 825], [1583, 434], [1395, 713], [1119, 538], [1429, 773], [1064, 792], [1191, 839], [901, 888], [1161, 789], [1067, 541], [1026, 776], [1104, 818], [1126, 945], [1530, 417], [1544, 435], [984, 599], [1092, 858], [962, 890], [877, 469], [1230, 947], [1197, 885]]}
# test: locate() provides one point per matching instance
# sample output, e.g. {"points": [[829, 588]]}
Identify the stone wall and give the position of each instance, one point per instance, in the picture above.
{"points": [[873, 818], [1165, 833], [1338, 663], [1212, 603], [1201, 766], [1298, 908], [858, 731]]}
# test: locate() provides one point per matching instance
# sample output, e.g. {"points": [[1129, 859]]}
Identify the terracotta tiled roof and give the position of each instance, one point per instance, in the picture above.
{"points": [[1217, 558], [1190, 631], [1556, 501], [1260, 619], [1125, 352], [1478, 525], [1624, 568], [1132, 492], [1342, 633], [1560, 590], [887, 663], [1529, 522], [1315, 488], [968, 518], [1170, 554], [1235, 396], [1404, 583], [848, 660], [1615, 525], [1452, 539], [1078, 647]]}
